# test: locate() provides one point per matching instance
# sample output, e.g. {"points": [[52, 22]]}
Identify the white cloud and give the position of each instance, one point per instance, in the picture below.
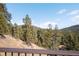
{"points": [[75, 19], [69, 12], [77, 16], [74, 12], [61, 11], [45, 24]]}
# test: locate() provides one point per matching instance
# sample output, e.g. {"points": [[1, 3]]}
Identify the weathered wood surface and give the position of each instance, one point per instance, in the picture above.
{"points": [[38, 51]]}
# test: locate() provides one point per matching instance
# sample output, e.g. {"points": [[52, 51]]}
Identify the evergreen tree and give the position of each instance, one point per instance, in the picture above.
{"points": [[34, 35], [40, 37], [4, 19], [27, 29], [55, 39], [68, 41], [16, 31]]}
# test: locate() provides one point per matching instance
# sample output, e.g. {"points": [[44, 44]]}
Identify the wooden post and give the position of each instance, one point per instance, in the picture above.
{"points": [[18, 54], [32, 54], [11, 53], [39, 54], [25, 54], [5, 53], [48, 55]]}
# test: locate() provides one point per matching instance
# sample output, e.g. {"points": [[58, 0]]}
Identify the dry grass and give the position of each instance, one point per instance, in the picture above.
{"points": [[11, 42]]}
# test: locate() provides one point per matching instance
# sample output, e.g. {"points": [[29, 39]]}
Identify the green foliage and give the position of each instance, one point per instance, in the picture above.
{"points": [[4, 19], [70, 40], [40, 37], [16, 31], [27, 29], [46, 38]]}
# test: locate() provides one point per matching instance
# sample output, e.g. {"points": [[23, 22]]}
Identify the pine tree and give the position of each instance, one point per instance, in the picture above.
{"points": [[16, 31], [27, 29], [40, 37], [34, 35], [55, 39], [4, 19]]}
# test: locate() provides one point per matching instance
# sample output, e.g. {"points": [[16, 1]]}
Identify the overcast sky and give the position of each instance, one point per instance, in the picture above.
{"points": [[64, 15]]}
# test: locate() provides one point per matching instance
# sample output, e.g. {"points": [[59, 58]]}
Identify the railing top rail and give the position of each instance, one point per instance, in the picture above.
{"points": [[40, 51]]}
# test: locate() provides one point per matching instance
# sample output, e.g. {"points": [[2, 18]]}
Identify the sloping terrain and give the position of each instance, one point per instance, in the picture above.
{"points": [[71, 28], [10, 42]]}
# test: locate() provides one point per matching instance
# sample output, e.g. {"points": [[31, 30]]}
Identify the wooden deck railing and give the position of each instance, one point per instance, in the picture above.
{"points": [[37, 51]]}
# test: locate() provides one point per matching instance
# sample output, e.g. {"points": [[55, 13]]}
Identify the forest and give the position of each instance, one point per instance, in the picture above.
{"points": [[55, 39]]}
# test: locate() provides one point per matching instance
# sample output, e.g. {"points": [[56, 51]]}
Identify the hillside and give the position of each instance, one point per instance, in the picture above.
{"points": [[71, 28], [10, 42]]}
